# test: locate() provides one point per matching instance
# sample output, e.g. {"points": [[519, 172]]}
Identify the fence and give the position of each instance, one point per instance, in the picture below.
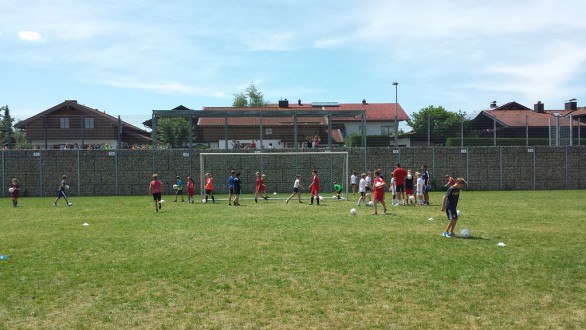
{"points": [[127, 172]]}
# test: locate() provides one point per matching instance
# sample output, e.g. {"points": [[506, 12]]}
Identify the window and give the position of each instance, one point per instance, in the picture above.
{"points": [[386, 130], [269, 131], [63, 122], [88, 122]]}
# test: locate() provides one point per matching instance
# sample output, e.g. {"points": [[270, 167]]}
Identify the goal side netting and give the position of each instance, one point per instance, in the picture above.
{"points": [[280, 169]]}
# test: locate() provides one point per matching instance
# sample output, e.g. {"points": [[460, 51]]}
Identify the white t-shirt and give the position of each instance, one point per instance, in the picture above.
{"points": [[353, 179], [296, 184], [393, 187], [368, 180], [362, 185], [420, 186]]}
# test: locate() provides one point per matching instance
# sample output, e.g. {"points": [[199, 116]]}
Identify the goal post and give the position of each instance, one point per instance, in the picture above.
{"points": [[280, 169]]}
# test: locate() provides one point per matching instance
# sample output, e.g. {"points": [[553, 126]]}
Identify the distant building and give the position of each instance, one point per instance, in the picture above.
{"points": [[73, 125]]}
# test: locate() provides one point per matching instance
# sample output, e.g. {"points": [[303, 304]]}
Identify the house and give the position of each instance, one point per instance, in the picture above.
{"points": [[518, 121], [224, 127], [70, 124]]}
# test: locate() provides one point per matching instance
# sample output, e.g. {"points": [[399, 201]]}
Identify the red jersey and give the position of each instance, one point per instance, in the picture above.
{"points": [[379, 192], [315, 185], [260, 184], [190, 188], [156, 186], [209, 184], [399, 174]]}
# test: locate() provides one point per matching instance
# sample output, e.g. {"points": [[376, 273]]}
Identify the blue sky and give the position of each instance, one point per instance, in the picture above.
{"points": [[127, 57]]}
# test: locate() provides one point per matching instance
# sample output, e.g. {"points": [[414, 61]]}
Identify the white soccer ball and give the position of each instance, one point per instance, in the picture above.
{"points": [[175, 186], [371, 203], [409, 176], [412, 199], [458, 213], [162, 201], [353, 211], [275, 193], [465, 233], [11, 190], [66, 186], [203, 201]]}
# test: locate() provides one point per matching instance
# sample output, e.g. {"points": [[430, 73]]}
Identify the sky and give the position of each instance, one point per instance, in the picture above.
{"points": [[129, 57]]}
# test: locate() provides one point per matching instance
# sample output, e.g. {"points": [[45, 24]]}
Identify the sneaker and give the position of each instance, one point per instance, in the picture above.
{"points": [[160, 205], [373, 213], [385, 211], [446, 234], [452, 234], [357, 204], [69, 204], [55, 204]]}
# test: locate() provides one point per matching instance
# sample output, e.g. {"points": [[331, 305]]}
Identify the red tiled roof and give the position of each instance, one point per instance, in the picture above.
{"points": [[520, 118], [255, 121]]}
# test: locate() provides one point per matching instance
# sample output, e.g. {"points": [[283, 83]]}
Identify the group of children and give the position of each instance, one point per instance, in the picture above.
{"points": [[156, 189]]}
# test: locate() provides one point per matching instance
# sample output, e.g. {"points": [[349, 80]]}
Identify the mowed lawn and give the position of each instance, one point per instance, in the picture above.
{"points": [[293, 266]]}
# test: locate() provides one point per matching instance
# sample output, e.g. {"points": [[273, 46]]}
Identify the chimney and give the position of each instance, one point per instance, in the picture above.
{"points": [[571, 105], [538, 107], [363, 101], [493, 105], [299, 102], [284, 103]]}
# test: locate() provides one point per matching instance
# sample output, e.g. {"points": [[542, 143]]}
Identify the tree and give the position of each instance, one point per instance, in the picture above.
{"points": [[173, 131], [442, 122], [6, 138], [251, 97]]}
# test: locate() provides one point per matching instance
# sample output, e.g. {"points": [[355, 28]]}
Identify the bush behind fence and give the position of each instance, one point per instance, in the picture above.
{"points": [[127, 172]]}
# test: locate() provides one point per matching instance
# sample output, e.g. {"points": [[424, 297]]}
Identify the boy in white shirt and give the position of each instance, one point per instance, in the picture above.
{"points": [[362, 189], [420, 188]]}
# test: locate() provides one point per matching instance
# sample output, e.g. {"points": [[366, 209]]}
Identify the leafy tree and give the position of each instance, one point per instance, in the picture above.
{"points": [[6, 138], [173, 131], [442, 121], [251, 97]]}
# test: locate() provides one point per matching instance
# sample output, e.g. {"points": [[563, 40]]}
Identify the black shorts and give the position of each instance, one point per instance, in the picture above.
{"points": [[157, 196], [368, 189], [400, 188], [209, 192], [179, 192]]}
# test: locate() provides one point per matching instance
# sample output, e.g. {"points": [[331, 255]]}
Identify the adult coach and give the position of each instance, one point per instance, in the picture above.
{"points": [[400, 174]]}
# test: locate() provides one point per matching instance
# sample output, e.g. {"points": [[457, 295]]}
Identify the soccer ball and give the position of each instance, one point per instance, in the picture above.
{"points": [[203, 201], [11, 190], [409, 176], [67, 186], [275, 193], [371, 203], [353, 211], [175, 186], [458, 213], [412, 199], [465, 233], [162, 201]]}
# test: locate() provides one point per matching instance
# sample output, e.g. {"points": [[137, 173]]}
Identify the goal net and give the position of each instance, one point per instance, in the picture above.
{"points": [[280, 169]]}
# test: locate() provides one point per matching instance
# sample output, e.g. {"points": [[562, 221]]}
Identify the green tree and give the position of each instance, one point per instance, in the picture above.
{"points": [[251, 97], [173, 131], [442, 122], [6, 138]]}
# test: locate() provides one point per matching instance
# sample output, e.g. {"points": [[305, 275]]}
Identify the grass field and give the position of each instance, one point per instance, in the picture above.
{"points": [[294, 266]]}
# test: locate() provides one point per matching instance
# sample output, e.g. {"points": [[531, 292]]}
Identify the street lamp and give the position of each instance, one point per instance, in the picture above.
{"points": [[396, 84]]}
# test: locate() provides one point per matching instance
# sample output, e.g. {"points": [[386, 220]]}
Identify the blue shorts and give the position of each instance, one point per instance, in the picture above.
{"points": [[295, 190], [61, 193]]}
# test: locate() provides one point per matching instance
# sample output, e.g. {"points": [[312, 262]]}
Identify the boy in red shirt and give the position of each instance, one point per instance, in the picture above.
{"points": [[155, 188], [314, 186]]}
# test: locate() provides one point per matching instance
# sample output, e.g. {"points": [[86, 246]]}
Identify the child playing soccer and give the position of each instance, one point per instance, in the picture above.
{"points": [[231, 186], [314, 186], [450, 204], [260, 190], [237, 188], [337, 189], [15, 192], [179, 190], [393, 190], [296, 186], [379, 192], [61, 191], [155, 188], [190, 190], [209, 187], [362, 190], [420, 188]]}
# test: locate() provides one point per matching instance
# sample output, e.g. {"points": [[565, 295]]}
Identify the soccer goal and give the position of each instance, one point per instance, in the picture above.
{"points": [[280, 169]]}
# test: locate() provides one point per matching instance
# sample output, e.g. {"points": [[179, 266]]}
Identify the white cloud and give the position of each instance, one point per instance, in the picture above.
{"points": [[30, 36]]}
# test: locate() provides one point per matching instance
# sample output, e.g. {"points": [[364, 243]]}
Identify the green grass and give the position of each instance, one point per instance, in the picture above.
{"points": [[289, 266]]}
